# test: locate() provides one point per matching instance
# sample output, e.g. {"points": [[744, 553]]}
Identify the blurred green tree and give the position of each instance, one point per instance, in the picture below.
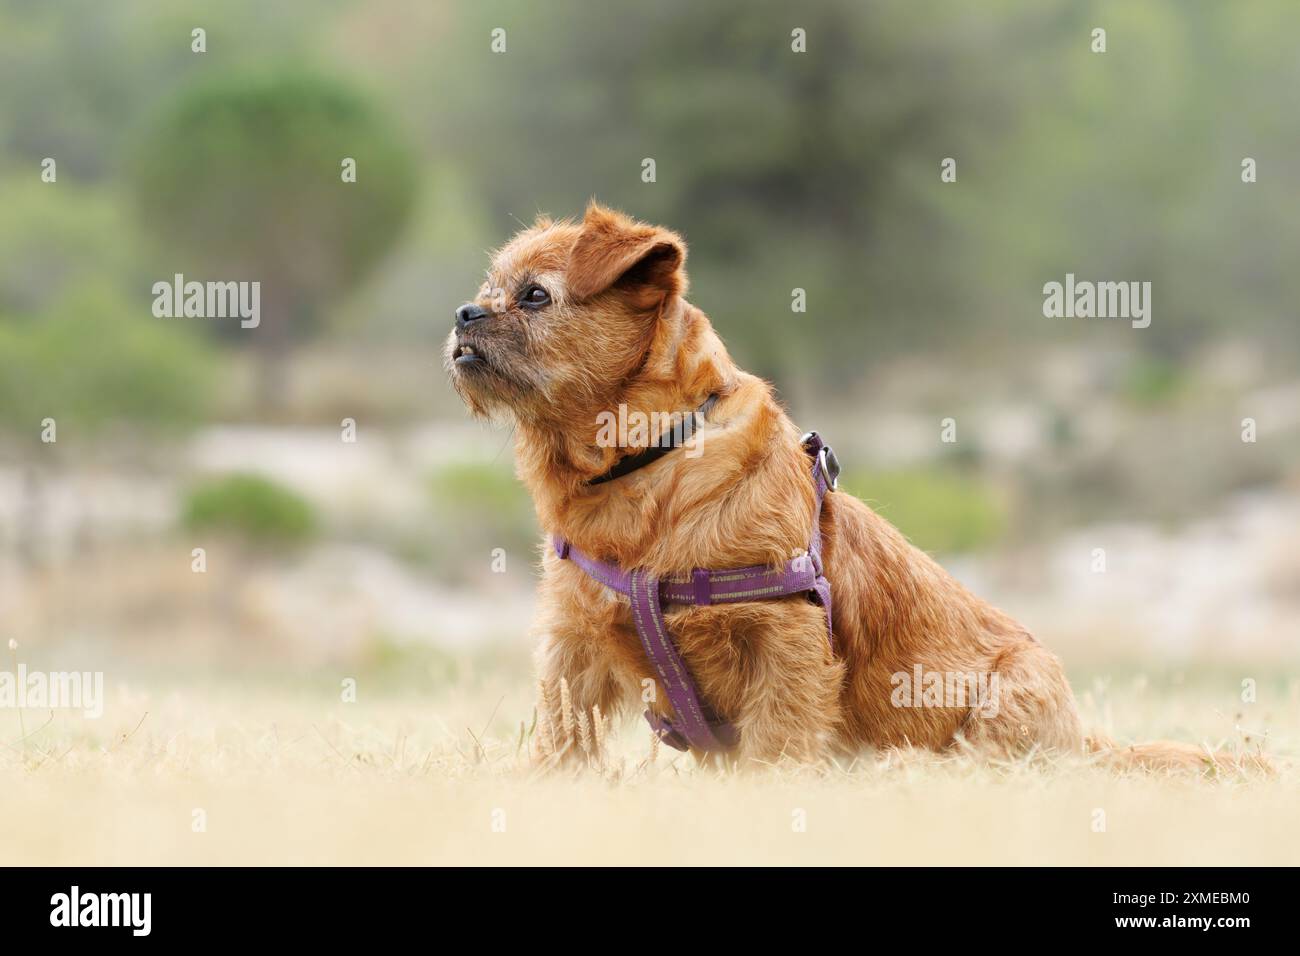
{"points": [[243, 177]]}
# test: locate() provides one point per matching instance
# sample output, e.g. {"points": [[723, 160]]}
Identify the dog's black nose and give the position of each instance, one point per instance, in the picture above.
{"points": [[469, 312]]}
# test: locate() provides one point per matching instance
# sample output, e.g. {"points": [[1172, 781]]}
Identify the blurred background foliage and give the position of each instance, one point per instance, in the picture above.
{"points": [[816, 171], [943, 511], [233, 174], [261, 512]]}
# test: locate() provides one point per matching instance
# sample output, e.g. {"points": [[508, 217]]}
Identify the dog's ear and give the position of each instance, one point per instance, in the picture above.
{"points": [[615, 250]]}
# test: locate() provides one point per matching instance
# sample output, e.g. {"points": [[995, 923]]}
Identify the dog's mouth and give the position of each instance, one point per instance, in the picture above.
{"points": [[483, 375], [465, 356]]}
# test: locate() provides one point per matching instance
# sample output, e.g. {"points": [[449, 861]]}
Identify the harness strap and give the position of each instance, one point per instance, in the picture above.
{"points": [[826, 470], [696, 724], [753, 583]]}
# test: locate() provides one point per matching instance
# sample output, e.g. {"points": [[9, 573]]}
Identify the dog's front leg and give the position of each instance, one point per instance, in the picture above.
{"points": [[769, 668], [578, 698]]}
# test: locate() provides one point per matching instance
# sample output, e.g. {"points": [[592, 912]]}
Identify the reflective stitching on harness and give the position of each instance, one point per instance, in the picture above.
{"points": [[776, 589]]}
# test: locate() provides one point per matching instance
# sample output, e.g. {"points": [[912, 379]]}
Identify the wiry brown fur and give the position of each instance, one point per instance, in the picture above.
{"points": [[618, 330]]}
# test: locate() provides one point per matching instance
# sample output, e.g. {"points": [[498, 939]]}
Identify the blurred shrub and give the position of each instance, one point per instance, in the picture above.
{"points": [[89, 362], [938, 511], [252, 507]]}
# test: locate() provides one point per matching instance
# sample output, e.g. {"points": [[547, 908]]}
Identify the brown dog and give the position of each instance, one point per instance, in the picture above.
{"points": [[576, 320]]}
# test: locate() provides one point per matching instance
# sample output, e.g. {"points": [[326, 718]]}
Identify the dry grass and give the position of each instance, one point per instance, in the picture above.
{"points": [[286, 776]]}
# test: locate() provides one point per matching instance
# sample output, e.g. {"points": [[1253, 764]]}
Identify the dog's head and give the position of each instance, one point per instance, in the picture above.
{"points": [[566, 317]]}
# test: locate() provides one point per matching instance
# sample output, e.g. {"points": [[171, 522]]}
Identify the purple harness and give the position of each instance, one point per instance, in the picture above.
{"points": [[695, 724]]}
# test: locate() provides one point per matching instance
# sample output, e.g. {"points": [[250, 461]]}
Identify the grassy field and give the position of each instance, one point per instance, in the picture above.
{"points": [[230, 772]]}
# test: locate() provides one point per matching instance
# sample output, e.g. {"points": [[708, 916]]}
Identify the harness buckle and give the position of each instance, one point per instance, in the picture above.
{"points": [[827, 463], [830, 467]]}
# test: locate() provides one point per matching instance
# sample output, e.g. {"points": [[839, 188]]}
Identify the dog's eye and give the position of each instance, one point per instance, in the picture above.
{"points": [[534, 297]]}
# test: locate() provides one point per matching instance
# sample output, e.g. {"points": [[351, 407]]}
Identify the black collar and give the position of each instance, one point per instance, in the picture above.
{"points": [[670, 439]]}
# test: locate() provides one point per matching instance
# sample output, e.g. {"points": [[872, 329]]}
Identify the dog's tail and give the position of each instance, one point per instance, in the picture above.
{"points": [[1170, 756]]}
